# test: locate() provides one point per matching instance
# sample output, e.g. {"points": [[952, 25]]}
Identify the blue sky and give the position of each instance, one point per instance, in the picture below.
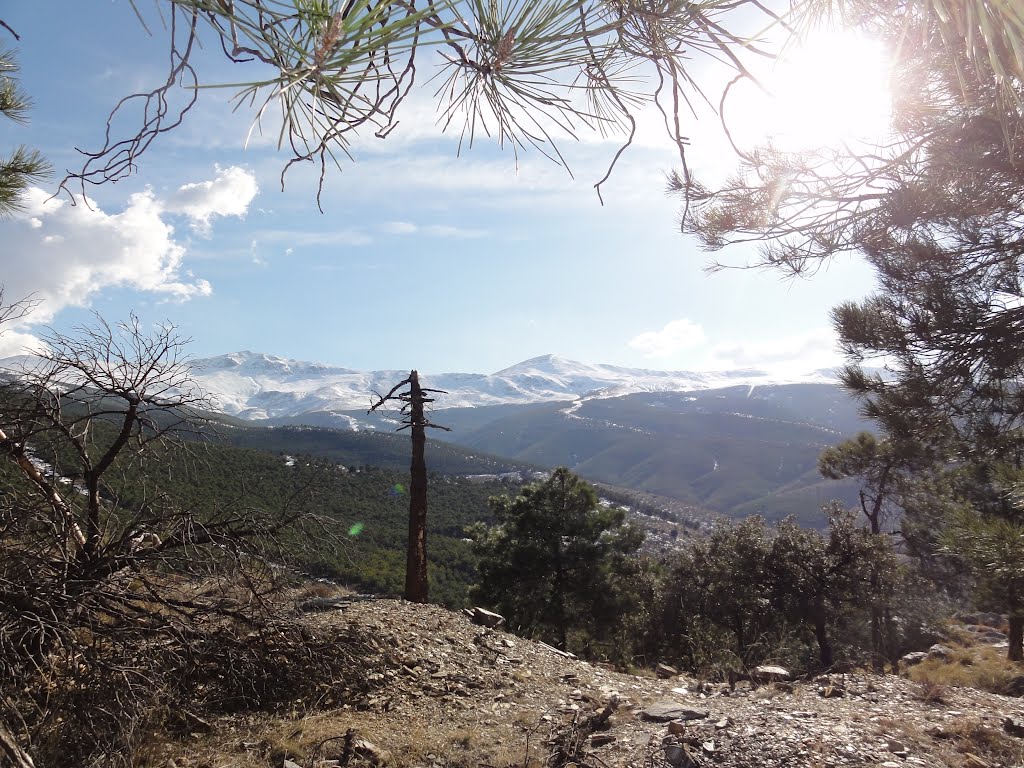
{"points": [[422, 258]]}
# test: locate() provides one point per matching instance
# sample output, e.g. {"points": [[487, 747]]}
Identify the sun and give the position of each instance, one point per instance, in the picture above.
{"points": [[833, 87]]}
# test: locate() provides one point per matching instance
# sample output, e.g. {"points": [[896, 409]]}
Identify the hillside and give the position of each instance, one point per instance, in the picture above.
{"points": [[736, 451], [435, 689], [733, 442], [387, 450]]}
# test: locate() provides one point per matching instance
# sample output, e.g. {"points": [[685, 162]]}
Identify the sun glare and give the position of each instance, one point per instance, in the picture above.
{"points": [[833, 87]]}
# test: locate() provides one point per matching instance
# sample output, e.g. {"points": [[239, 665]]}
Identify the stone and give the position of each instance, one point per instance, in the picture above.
{"points": [[1014, 726], [486, 618], [831, 691], [991, 636], [913, 658], [768, 672], [289, 764], [679, 756], [371, 753], [664, 671], [1015, 686], [984, 618], [898, 748], [323, 604], [939, 651], [601, 740], [663, 711], [677, 727]]}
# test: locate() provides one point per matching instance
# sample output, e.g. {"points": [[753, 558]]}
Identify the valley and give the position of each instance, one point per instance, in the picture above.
{"points": [[733, 443]]}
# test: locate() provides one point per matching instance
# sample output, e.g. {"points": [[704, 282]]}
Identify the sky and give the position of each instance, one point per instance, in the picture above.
{"points": [[426, 255]]}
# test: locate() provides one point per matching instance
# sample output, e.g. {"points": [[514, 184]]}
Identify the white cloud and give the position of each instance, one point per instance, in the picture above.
{"points": [[18, 343], [432, 230], [674, 337], [454, 233], [307, 239], [229, 194], [400, 228], [65, 254], [813, 349]]}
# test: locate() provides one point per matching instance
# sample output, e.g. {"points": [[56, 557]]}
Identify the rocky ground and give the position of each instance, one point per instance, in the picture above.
{"points": [[449, 692]]}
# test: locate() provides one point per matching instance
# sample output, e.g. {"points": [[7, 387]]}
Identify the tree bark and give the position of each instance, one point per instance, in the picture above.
{"points": [[877, 651], [821, 634], [1016, 637], [416, 556]]}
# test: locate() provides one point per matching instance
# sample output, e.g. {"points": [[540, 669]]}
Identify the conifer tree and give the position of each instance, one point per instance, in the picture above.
{"points": [[938, 212], [25, 165], [550, 561]]}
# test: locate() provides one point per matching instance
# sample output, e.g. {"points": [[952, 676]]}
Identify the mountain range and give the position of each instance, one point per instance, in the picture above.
{"points": [[253, 385], [733, 442], [729, 442]]}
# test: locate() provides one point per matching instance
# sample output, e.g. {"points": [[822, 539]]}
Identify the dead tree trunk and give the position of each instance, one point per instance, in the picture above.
{"points": [[413, 408], [416, 556]]}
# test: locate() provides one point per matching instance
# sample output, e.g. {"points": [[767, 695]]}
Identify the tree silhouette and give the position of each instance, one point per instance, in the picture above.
{"points": [[412, 408]]}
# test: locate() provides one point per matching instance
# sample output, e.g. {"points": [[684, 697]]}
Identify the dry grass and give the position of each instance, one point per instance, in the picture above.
{"points": [[968, 742], [259, 741], [973, 743], [981, 667]]}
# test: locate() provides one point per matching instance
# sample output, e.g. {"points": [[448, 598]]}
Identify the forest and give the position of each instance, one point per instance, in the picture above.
{"points": [[150, 556]]}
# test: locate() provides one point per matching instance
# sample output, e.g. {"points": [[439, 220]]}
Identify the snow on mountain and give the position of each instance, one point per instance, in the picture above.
{"points": [[258, 386]]}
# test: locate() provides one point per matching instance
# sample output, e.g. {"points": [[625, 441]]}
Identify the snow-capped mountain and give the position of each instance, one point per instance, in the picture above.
{"points": [[253, 385]]}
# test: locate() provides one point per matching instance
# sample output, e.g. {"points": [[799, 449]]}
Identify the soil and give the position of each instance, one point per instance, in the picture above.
{"points": [[447, 692]]}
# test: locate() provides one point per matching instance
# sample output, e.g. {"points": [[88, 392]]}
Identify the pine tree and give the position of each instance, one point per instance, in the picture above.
{"points": [[25, 166], [549, 563], [938, 212]]}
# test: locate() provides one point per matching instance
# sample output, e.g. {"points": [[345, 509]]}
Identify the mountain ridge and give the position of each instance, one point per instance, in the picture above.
{"points": [[258, 386]]}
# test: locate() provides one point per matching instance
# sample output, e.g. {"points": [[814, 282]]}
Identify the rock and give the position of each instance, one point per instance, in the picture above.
{"points": [[663, 711], [664, 671], [991, 636], [558, 651], [289, 764], [371, 753], [487, 618], [679, 756], [677, 727], [897, 748], [601, 740], [912, 658], [939, 651], [1014, 726], [1015, 687], [768, 673], [831, 691], [323, 604], [725, 722]]}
